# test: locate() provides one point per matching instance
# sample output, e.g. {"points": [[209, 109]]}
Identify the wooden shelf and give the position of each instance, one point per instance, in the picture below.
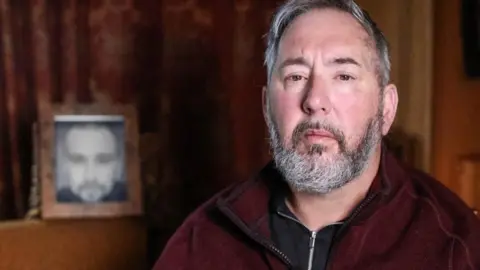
{"points": [[73, 245]]}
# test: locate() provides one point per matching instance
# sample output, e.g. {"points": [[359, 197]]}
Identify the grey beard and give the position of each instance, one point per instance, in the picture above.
{"points": [[308, 173]]}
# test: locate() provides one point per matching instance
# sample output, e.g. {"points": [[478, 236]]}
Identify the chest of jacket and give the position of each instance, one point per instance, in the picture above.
{"points": [[389, 238], [362, 247]]}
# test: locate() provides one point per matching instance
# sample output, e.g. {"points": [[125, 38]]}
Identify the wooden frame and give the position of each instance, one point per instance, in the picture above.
{"points": [[49, 124]]}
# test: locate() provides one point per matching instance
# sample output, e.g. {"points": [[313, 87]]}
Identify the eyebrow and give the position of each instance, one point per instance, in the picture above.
{"points": [[301, 61], [297, 61], [344, 61]]}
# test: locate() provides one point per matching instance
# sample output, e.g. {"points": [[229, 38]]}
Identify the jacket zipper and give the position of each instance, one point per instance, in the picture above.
{"points": [[312, 249], [345, 225], [313, 236], [265, 243]]}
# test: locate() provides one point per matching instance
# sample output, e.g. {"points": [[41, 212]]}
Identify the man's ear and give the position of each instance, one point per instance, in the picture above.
{"points": [[390, 103]]}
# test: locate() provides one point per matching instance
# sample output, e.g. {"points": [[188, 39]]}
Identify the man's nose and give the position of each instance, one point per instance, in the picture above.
{"points": [[90, 171], [317, 99]]}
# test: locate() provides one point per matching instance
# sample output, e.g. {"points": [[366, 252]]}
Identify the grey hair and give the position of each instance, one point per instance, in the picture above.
{"points": [[286, 14]]}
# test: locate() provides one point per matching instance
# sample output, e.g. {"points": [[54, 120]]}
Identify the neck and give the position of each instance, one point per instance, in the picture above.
{"points": [[317, 211]]}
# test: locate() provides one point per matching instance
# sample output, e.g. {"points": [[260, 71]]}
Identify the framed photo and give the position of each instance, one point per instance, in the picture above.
{"points": [[89, 161], [471, 37]]}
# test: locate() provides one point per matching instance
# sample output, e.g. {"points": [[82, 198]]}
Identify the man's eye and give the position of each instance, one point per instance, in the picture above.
{"points": [[295, 78], [105, 158], [76, 158], [345, 77]]}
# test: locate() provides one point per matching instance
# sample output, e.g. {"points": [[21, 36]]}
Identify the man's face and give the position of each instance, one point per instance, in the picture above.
{"points": [[324, 107], [92, 161]]}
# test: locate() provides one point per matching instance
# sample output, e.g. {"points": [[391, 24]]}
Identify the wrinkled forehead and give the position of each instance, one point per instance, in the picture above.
{"points": [[90, 140], [329, 32]]}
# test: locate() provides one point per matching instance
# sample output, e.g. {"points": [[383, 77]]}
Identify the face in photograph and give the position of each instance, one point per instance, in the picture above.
{"points": [[92, 161]]}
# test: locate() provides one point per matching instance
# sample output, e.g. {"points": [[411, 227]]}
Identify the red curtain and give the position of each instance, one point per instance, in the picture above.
{"points": [[17, 107]]}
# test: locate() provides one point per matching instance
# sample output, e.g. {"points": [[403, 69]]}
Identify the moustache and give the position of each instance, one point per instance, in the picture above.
{"points": [[92, 185], [305, 126]]}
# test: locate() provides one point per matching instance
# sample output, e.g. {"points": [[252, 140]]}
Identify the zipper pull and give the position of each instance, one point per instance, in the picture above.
{"points": [[312, 239], [312, 249]]}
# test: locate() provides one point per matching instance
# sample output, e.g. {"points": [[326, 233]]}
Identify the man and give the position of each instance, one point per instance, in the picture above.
{"points": [[93, 166], [333, 197]]}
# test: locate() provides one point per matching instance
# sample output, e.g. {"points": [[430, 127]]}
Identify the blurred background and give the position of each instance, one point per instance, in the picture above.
{"points": [[194, 70]]}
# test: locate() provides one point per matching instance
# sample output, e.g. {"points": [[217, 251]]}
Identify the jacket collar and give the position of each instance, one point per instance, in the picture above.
{"points": [[247, 204]]}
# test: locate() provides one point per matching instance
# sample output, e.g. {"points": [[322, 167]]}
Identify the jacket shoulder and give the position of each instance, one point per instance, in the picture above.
{"points": [[443, 199], [454, 217], [191, 238]]}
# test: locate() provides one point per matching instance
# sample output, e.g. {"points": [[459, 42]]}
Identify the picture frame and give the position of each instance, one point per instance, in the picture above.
{"points": [[470, 28], [89, 161]]}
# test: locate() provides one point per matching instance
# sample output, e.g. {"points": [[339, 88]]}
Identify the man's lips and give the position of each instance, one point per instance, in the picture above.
{"points": [[319, 134]]}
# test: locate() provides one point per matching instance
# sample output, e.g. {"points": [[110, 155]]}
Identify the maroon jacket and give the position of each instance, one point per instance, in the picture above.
{"points": [[408, 221]]}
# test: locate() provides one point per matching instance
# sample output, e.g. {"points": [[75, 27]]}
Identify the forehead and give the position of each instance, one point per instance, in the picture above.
{"points": [[90, 140], [328, 32]]}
